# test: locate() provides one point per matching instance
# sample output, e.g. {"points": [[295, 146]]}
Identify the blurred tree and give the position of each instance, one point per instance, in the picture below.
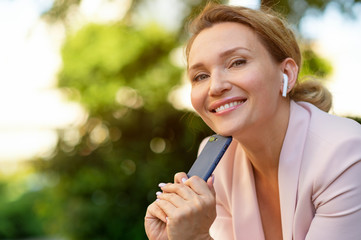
{"points": [[294, 10], [313, 64], [133, 138], [60, 10], [18, 216], [18, 219]]}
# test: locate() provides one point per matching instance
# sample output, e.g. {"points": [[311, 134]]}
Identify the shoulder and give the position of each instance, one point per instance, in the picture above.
{"points": [[332, 150], [329, 137], [330, 128]]}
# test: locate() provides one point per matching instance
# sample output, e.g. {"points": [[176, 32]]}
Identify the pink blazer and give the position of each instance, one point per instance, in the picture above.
{"points": [[319, 182]]}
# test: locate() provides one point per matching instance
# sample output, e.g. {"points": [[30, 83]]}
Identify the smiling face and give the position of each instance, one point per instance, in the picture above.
{"points": [[235, 82]]}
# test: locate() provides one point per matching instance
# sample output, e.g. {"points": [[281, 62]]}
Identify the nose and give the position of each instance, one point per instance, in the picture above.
{"points": [[218, 84]]}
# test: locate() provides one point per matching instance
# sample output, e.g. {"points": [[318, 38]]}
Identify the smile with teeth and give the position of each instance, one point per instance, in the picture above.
{"points": [[228, 105]]}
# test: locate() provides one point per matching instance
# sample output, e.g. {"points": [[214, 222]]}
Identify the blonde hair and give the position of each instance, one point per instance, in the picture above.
{"points": [[274, 33]]}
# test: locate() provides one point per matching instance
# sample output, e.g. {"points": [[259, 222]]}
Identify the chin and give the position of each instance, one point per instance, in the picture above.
{"points": [[229, 130], [224, 132], [225, 128]]}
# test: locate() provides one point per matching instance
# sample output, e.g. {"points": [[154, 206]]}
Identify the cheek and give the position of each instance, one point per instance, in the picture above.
{"points": [[197, 99], [250, 83], [265, 92], [260, 83]]}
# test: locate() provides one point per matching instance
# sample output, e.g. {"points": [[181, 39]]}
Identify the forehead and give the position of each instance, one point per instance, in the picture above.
{"points": [[223, 36]]}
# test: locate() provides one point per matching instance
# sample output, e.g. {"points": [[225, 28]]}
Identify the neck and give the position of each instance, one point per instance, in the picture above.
{"points": [[263, 144]]}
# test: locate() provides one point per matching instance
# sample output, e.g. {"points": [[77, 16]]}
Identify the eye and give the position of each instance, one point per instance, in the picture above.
{"points": [[238, 62], [200, 77]]}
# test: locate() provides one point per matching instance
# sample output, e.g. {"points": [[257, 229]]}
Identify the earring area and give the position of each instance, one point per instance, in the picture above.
{"points": [[285, 85]]}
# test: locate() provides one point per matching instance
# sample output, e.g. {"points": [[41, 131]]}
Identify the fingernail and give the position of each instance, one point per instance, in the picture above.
{"points": [[158, 193], [161, 185], [183, 180], [212, 178]]}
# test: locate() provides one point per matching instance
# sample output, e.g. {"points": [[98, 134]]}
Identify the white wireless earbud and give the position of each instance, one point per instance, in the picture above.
{"points": [[285, 85]]}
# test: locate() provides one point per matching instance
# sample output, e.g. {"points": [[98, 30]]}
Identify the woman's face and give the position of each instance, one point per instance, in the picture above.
{"points": [[235, 82]]}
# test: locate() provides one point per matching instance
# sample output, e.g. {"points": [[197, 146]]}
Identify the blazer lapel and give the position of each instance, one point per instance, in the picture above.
{"points": [[247, 220], [289, 165]]}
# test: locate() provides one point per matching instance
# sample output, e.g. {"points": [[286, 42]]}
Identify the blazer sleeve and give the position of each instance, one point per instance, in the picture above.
{"points": [[337, 195]]}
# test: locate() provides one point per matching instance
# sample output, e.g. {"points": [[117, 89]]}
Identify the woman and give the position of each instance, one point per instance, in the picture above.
{"points": [[292, 170]]}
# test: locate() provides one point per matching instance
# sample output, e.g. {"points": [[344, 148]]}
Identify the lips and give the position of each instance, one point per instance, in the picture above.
{"points": [[226, 104]]}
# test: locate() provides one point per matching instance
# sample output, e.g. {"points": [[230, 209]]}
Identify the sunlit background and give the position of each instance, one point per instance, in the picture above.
{"points": [[33, 110]]}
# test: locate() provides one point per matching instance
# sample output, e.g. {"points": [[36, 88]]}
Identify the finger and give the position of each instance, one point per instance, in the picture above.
{"points": [[180, 177], [198, 185], [181, 190], [173, 198], [154, 211], [167, 207], [162, 185]]}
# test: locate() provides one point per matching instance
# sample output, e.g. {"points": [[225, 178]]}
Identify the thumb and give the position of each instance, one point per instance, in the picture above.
{"points": [[179, 177]]}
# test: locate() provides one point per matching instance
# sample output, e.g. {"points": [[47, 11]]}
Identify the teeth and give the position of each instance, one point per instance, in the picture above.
{"points": [[228, 105]]}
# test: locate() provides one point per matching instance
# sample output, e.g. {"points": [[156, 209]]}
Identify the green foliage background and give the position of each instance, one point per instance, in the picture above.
{"points": [[104, 174], [122, 76]]}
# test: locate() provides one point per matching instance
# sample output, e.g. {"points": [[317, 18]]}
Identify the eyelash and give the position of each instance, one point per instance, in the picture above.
{"points": [[239, 61], [196, 78], [235, 63]]}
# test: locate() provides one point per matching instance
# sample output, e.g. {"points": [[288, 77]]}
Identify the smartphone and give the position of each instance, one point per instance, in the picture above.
{"points": [[210, 156]]}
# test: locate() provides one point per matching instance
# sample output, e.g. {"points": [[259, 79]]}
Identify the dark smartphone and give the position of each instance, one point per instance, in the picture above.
{"points": [[210, 156]]}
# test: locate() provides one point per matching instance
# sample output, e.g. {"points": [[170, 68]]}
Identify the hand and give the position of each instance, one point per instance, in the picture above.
{"points": [[187, 215], [189, 206], [155, 223]]}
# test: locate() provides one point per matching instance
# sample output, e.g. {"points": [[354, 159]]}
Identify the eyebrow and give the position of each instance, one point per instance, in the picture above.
{"points": [[221, 55], [232, 50]]}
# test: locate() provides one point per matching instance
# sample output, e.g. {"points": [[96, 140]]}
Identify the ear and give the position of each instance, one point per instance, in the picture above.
{"points": [[290, 68]]}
